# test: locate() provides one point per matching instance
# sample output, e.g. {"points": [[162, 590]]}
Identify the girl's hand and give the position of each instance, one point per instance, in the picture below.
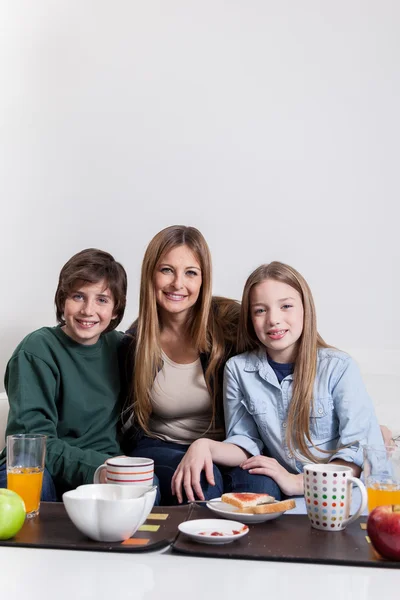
{"points": [[197, 458], [387, 435], [291, 485]]}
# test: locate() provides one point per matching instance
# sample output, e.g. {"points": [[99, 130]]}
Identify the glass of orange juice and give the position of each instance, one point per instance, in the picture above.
{"points": [[25, 466], [382, 475]]}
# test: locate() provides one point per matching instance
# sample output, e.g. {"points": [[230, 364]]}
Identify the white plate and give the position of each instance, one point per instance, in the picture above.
{"points": [[201, 530], [228, 511]]}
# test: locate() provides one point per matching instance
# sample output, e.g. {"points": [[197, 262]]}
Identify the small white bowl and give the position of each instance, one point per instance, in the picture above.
{"points": [[108, 512], [213, 531]]}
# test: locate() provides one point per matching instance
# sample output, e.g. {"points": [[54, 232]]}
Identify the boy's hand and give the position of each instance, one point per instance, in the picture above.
{"points": [[197, 458], [103, 473], [291, 485]]}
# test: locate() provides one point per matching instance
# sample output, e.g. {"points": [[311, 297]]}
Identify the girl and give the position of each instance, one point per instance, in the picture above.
{"points": [[173, 359], [289, 395]]}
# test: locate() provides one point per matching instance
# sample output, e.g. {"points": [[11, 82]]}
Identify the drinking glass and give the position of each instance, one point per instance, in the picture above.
{"points": [[25, 466], [382, 475]]}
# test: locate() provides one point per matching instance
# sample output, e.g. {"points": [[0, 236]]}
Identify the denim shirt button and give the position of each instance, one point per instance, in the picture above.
{"points": [[284, 425], [320, 410]]}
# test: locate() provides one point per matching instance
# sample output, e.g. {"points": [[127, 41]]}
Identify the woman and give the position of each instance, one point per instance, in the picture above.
{"points": [[172, 364]]}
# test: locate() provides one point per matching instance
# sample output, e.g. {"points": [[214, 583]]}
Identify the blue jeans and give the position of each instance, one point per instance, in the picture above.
{"points": [[168, 455], [49, 493]]}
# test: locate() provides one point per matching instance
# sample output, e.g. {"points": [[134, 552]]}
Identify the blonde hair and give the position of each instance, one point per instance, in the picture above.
{"points": [[211, 322], [298, 421]]}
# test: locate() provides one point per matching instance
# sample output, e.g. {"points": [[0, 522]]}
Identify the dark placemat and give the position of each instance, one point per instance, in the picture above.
{"points": [[290, 538], [53, 529]]}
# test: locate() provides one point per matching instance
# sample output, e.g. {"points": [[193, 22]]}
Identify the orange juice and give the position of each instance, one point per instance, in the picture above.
{"points": [[27, 482], [380, 494]]}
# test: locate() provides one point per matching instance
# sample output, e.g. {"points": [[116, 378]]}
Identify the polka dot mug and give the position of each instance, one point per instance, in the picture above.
{"points": [[327, 492]]}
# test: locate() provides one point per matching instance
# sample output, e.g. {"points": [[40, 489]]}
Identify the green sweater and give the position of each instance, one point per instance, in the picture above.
{"points": [[69, 392]]}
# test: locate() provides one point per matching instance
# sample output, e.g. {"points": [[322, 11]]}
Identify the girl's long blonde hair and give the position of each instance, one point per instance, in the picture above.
{"points": [[211, 322], [298, 422]]}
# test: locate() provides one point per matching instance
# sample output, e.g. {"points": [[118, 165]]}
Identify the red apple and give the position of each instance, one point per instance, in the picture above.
{"points": [[384, 530]]}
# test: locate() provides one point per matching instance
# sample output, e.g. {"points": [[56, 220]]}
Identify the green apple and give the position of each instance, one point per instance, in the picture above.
{"points": [[12, 513]]}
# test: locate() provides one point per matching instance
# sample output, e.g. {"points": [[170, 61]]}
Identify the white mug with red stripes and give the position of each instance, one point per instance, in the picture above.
{"points": [[126, 470]]}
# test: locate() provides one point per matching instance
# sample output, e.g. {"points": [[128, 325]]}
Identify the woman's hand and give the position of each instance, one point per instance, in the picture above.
{"points": [[291, 485], [197, 458]]}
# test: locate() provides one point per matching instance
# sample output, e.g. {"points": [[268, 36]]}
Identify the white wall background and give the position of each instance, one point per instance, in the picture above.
{"points": [[273, 127]]}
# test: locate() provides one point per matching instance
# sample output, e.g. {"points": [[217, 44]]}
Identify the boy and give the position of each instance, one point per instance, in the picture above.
{"points": [[64, 381]]}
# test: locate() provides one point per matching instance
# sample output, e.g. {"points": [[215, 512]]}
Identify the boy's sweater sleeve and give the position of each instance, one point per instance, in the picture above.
{"points": [[32, 388], [131, 432], [126, 363]]}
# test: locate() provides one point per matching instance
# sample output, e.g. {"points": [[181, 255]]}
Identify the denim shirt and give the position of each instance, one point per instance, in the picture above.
{"points": [[256, 409]]}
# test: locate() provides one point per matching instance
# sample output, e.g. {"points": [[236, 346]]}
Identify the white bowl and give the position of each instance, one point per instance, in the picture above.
{"points": [[108, 512]]}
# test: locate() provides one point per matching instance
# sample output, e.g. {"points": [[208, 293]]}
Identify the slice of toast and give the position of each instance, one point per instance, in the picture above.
{"points": [[247, 500], [274, 507]]}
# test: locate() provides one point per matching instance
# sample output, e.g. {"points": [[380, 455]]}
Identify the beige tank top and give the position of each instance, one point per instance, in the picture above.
{"points": [[181, 404]]}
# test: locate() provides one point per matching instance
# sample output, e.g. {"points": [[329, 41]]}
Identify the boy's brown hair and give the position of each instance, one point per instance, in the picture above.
{"points": [[91, 266]]}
